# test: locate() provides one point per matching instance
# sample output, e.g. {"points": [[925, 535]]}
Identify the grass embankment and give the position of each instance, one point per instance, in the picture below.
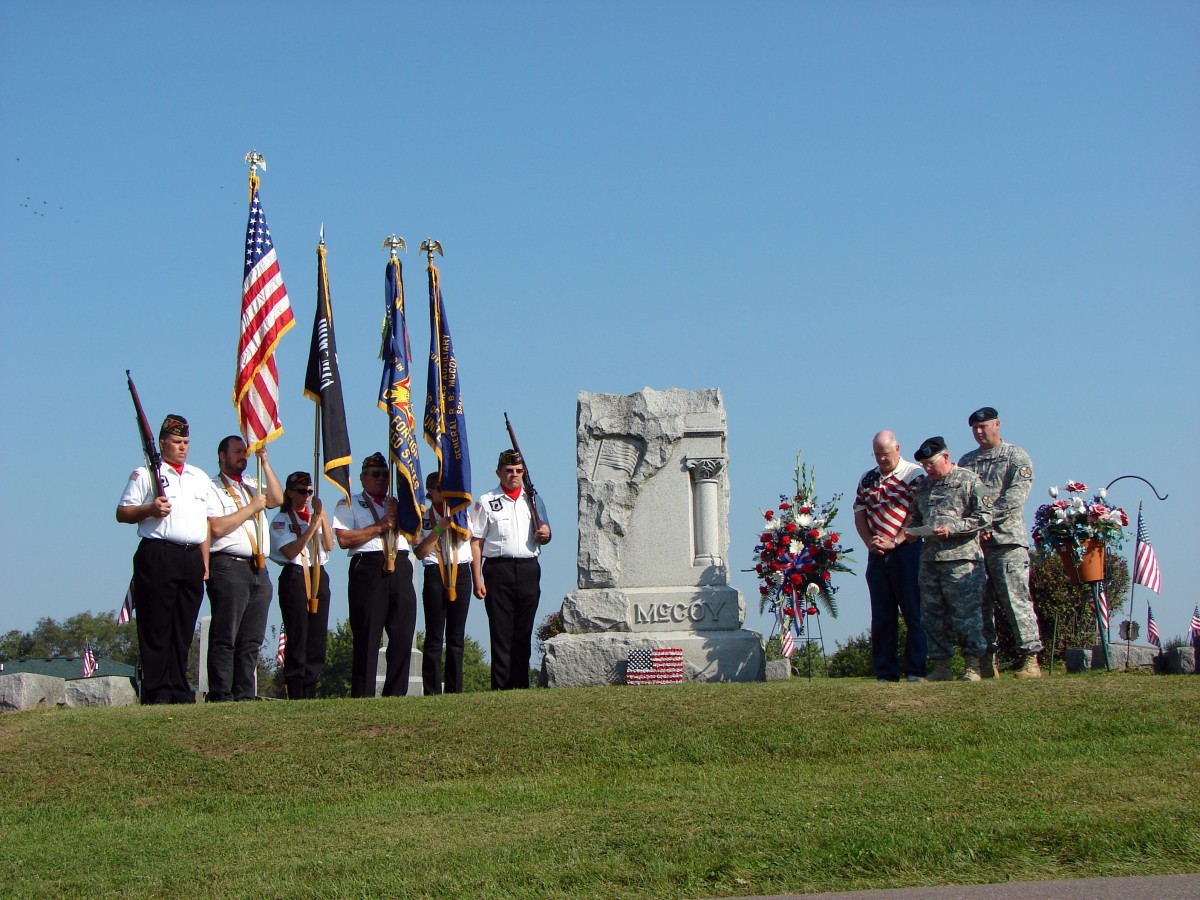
{"points": [[698, 790]]}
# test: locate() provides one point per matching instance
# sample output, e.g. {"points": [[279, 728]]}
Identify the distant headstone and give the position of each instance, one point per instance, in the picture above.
{"points": [[26, 690], [653, 484], [1080, 659], [1181, 660], [416, 686]]}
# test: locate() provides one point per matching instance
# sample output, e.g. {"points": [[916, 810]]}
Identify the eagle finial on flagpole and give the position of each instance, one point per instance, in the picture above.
{"points": [[255, 159], [392, 241], [429, 246]]}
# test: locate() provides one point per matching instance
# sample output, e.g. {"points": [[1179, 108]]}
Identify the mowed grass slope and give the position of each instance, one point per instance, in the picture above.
{"points": [[690, 791]]}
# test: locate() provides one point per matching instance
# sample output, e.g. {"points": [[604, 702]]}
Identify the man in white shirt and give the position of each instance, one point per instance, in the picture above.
{"points": [[170, 564], [504, 564], [239, 588]]}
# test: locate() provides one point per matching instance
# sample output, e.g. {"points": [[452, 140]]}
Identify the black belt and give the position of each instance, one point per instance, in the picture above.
{"points": [[181, 545], [511, 559], [374, 553], [228, 555]]}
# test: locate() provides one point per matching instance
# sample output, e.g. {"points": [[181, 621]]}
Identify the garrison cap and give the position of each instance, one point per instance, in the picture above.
{"points": [[509, 458], [173, 424], [983, 414], [298, 480], [374, 461], [930, 448]]}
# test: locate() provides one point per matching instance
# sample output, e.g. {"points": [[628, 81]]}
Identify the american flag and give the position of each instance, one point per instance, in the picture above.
{"points": [[126, 612], [787, 644], [282, 651], [266, 317], [1145, 564], [657, 665], [89, 661], [1152, 628], [1103, 610], [1194, 631]]}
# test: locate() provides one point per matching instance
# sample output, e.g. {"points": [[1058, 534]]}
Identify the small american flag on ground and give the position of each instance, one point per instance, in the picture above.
{"points": [[1194, 631], [126, 612], [282, 651], [1103, 611], [1152, 628], [787, 644], [89, 661], [656, 665]]}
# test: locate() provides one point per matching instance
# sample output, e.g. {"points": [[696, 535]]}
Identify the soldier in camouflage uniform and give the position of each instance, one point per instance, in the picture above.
{"points": [[949, 510], [1007, 472]]}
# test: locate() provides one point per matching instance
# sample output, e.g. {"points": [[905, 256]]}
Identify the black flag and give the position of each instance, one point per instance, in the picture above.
{"points": [[323, 385]]}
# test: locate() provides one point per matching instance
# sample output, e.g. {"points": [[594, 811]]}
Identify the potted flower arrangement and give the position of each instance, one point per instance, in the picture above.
{"points": [[1079, 530], [797, 553]]}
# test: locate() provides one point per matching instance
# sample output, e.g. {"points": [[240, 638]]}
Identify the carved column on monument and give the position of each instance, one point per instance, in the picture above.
{"points": [[652, 474], [706, 508]]}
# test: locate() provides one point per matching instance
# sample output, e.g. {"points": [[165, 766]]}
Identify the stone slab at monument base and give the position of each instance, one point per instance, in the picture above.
{"points": [[579, 660], [1143, 659]]}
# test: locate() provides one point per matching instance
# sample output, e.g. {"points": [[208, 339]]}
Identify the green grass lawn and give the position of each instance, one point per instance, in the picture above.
{"points": [[690, 791]]}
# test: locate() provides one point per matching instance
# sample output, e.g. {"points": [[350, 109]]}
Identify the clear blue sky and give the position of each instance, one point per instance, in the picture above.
{"points": [[846, 216]]}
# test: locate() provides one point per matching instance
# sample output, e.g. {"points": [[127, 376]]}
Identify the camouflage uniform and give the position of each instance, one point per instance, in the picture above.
{"points": [[951, 577], [1007, 473]]}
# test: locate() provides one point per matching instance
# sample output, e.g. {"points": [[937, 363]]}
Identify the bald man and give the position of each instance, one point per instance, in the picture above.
{"points": [[880, 508]]}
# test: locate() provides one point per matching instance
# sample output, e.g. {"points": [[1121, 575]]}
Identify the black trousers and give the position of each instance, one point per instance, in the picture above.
{"points": [[445, 621], [381, 601], [307, 633], [168, 587], [513, 591]]}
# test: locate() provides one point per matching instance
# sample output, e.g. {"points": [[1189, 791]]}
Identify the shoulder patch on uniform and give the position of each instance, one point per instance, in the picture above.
{"points": [[496, 505], [1025, 472], [362, 503], [988, 500], [279, 526]]}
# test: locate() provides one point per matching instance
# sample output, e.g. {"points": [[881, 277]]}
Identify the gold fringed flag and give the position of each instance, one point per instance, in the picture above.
{"points": [[266, 317], [323, 385], [395, 398]]}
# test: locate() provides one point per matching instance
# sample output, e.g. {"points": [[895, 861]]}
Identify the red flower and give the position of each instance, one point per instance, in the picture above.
{"points": [[814, 534], [833, 557], [808, 567], [758, 568], [790, 527], [764, 590], [788, 611], [797, 578], [835, 537], [787, 588], [812, 610], [766, 538], [785, 506], [824, 576], [769, 514]]}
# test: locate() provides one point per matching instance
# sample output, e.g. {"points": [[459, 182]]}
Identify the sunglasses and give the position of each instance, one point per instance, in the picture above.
{"points": [[308, 491], [375, 473]]}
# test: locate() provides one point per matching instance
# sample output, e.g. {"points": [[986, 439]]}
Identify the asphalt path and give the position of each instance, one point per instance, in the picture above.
{"points": [[1157, 887]]}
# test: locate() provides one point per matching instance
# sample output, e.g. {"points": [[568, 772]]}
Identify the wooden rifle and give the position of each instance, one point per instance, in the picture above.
{"points": [[527, 481], [149, 450]]}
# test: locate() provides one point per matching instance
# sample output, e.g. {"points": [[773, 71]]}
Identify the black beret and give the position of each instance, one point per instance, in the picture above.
{"points": [[983, 414], [930, 448], [374, 461]]}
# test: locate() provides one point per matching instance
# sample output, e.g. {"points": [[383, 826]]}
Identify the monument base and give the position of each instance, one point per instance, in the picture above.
{"points": [[580, 660]]}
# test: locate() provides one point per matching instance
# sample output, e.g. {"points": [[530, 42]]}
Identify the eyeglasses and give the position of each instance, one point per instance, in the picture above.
{"points": [[308, 491]]}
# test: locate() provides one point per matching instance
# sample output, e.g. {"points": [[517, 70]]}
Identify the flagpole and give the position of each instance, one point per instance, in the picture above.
{"points": [[1132, 588], [256, 159], [313, 573], [391, 243]]}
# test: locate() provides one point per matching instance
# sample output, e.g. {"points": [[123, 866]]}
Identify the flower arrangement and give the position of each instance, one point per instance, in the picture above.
{"points": [[797, 553], [1067, 523]]}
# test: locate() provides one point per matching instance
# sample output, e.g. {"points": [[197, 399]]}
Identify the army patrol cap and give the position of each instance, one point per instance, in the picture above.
{"points": [[930, 448], [509, 458], [173, 424], [983, 414], [374, 461]]}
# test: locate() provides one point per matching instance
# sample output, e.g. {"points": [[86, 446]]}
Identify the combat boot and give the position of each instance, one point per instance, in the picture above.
{"points": [[940, 671], [971, 669], [1029, 668], [989, 666]]}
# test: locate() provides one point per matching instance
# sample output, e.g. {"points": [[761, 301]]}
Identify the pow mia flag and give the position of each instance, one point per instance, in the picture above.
{"points": [[323, 385]]}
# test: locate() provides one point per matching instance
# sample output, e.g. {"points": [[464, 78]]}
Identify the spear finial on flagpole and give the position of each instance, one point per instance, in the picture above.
{"points": [[429, 246], [392, 241], [255, 159]]}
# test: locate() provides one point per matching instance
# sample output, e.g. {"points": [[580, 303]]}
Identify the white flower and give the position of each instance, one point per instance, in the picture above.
{"points": [[1078, 505], [1103, 493], [1054, 493], [812, 590], [804, 520], [774, 525], [795, 547], [1060, 515]]}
